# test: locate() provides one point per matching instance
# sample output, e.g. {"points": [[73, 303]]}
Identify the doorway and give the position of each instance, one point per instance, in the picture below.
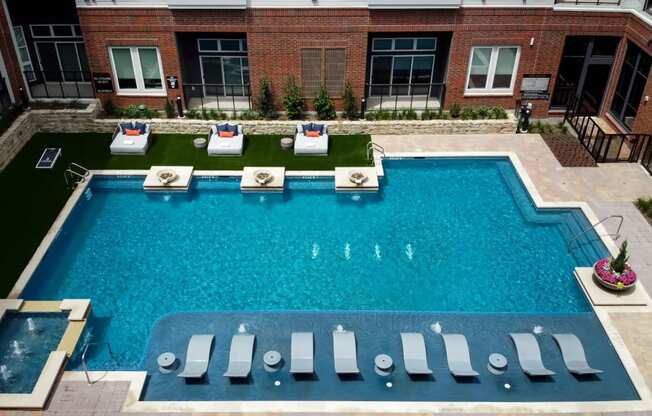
{"points": [[584, 72]]}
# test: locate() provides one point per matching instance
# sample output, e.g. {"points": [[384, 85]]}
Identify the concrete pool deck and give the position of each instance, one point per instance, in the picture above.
{"points": [[611, 187]]}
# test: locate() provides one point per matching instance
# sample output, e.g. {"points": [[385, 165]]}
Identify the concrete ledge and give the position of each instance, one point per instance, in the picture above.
{"points": [[248, 181], [78, 308], [41, 306], [70, 338], [9, 305], [342, 182], [46, 381], [182, 183], [600, 296]]}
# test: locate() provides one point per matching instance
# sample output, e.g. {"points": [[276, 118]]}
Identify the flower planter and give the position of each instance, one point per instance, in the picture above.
{"points": [[609, 279]]}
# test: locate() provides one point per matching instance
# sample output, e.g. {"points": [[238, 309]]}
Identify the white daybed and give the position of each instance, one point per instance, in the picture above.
{"points": [[317, 146], [225, 145], [124, 144]]}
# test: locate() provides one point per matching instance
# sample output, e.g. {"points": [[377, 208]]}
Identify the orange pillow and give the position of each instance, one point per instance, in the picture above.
{"points": [[312, 133], [226, 134], [132, 132]]}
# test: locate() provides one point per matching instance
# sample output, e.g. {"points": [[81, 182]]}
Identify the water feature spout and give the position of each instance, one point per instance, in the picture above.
{"points": [[5, 374], [538, 329], [242, 329], [17, 349], [339, 328], [436, 328], [31, 326]]}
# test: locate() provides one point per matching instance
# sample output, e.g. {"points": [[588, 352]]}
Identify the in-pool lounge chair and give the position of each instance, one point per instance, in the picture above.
{"points": [[344, 352], [225, 139], [240, 356], [529, 355], [197, 356], [130, 138], [302, 353], [414, 353], [311, 139], [573, 353], [458, 356]]}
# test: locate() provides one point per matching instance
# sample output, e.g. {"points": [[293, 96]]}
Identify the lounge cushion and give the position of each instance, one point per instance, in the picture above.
{"points": [[228, 127], [313, 127], [126, 126], [142, 127]]}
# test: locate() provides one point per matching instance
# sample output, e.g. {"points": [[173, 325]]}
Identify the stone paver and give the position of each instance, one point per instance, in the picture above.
{"points": [[569, 151]]}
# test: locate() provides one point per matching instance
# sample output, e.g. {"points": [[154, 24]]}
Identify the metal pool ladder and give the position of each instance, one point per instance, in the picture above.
{"points": [[371, 147], [74, 174], [615, 236], [83, 358]]}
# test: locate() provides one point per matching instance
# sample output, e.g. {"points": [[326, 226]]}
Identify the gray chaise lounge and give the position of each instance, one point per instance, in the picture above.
{"points": [[197, 356], [573, 353], [302, 353], [529, 355], [240, 356], [458, 356], [414, 354], [124, 144], [344, 352]]}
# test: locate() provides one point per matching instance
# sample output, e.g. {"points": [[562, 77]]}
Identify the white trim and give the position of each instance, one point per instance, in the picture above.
{"points": [[491, 72], [140, 89]]}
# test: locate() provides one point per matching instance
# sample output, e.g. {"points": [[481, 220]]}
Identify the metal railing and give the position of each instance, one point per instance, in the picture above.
{"points": [[410, 96], [374, 147], [615, 235], [219, 97], [590, 2], [75, 174], [60, 84], [85, 364], [607, 147]]}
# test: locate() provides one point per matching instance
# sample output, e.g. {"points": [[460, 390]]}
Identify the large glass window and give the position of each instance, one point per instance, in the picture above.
{"points": [[23, 54], [137, 69], [492, 69], [401, 74], [228, 75], [631, 84]]}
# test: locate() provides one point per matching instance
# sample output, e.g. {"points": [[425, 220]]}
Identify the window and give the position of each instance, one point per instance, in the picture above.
{"points": [[631, 84], [323, 66], [62, 30], [41, 31], [56, 31], [401, 74], [492, 69], [23, 54], [137, 69], [222, 45], [404, 44]]}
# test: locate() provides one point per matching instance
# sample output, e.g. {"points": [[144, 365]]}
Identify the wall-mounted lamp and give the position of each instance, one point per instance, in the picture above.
{"points": [[531, 41]]}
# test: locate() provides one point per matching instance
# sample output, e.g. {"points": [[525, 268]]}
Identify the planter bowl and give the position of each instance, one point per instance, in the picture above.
{"points": [[600, 274]]}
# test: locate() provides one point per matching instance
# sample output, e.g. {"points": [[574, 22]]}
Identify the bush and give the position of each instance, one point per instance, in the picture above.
{"points": [[645, 206], [498, 113], [483, 112], [265, 100], [138, 111], [455, 110], [192, 114], [618, 264], [408, 115], [169, 109], [293, 99], [250, 115], [109, 108], [324, 105], [350, 103], [468, 113]]}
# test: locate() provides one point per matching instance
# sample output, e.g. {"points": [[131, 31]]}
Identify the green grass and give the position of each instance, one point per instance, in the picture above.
{"points": [[30, 199], [645, 206]]}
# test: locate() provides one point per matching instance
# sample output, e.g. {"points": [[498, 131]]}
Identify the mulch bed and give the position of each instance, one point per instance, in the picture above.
{"points": [[568, 150]]}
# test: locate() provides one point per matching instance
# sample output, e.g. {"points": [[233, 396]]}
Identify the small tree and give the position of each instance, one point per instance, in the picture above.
{"points": [[618, 264], [169, 109], [324, 106], [293, 99], [109, 108], [350, 103], [265, 101]]}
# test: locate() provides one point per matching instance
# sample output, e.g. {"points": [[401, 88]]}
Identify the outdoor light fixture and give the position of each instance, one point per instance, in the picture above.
{"points": [[531, 41]]}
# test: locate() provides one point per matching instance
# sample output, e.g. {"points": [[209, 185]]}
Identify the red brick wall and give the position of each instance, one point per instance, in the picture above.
{"points": [[276, 36], [9, 55]]}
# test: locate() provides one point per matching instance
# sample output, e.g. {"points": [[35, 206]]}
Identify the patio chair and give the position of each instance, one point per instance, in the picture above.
{"points": [[414, 354], [130, 138], [307, 145], [458, 356], [573, 353], [529, 355], [197, 356], [302, 353], [221, 145], [240, 356], [344, 352]]}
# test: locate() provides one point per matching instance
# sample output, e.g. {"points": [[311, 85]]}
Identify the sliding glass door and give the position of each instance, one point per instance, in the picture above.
{"points": [[224, 75], [631, 83], [63, 61], [401, 74]]}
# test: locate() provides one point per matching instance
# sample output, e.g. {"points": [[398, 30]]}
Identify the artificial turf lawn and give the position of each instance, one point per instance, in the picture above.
{"points": [[32, 198]]}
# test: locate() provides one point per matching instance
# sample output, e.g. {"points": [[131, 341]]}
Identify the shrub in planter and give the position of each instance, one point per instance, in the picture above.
{"points": [[138, 111], [192, 114], [350, 103], [455, 110], [250, 115], [324, 106], [615, 274], [498, 113], [293, 99], [265, 100], [109, 108], [408, 115], [483, 112], [169, 109], [468, 113]]}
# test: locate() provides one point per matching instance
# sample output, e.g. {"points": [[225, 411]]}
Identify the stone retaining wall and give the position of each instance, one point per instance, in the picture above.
{"points": [[85, 121]]}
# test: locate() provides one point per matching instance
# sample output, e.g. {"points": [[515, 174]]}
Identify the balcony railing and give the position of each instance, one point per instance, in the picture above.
{"points": [[218, 97], [411, 96], [60, 84]]}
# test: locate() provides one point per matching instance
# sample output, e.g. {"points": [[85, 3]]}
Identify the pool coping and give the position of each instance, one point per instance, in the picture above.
{"points": [[137, 378], [54, 366]]}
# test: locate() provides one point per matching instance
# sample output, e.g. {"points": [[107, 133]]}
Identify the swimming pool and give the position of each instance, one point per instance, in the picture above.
{"points": [[450, 235]]}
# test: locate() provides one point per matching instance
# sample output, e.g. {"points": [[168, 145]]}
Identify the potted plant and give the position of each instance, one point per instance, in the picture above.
{"points": [[615, 273]]}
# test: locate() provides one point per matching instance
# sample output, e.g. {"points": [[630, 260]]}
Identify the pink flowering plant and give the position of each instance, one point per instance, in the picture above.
{"points": [[616, 272]]}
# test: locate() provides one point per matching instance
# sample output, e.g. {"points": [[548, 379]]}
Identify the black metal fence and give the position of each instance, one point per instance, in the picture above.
{"points": [[219, 97], [590, 2], [60, 84], [411, 96], [608, 147]]}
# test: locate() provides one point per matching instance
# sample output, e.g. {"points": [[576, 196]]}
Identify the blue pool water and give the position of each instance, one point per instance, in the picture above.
{"points": [[25, 347], [442, 235]]}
